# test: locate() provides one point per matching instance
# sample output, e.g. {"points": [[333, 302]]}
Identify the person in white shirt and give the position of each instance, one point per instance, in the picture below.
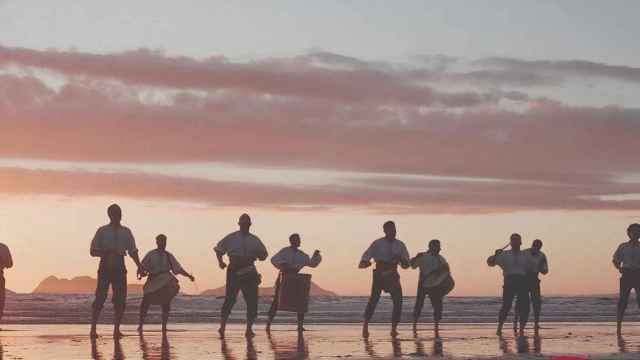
{"points": [[6, 262], [243, 249], [540, 266], [111, 243], [162, 286], [515, 265], [627, 260], [435, 280], [387, 252], [288, 260]]}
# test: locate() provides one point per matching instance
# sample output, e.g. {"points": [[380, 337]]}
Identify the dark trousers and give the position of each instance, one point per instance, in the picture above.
{"points": [[515, 286], [274, 304], [630, 279], [117, 279], [436, 295], [393, 287], [248, 284]]}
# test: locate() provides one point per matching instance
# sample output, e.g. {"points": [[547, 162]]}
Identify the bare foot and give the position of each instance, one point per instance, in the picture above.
{"points": [[221, 332], [93, 334], [249, 333], [301, 329], [140, 329], [268, 328], [117, 334], [394, 332], [499, 332], [415, 328], [164, 331]]}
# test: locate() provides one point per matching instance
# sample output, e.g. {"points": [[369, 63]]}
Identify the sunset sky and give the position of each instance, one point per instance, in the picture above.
{"points": [[462, 121]]}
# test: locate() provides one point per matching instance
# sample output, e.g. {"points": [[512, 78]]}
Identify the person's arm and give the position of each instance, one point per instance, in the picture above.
{"points": [[365, 260], [414, 260], [404, 257], [221, 249], [315, 259], [262, 253], [95, 250], [492, 260], [617, 258], [544, 266], [132, 250], [279, 260], [177, 268]]}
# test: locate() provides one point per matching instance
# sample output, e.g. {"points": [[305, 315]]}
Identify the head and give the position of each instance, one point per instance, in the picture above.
{"points": [[245, 223], [434, 247], [294, 240], [633, 231], [161, 242], [389, 230], [536, 246], [515, 241], [115, 213]]}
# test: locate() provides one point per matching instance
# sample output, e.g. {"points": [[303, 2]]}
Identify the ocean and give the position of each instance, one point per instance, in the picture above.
{"points": [[75, 309]]}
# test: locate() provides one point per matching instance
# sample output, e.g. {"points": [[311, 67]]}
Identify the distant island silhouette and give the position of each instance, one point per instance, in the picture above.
{"points": [[87, 285]]}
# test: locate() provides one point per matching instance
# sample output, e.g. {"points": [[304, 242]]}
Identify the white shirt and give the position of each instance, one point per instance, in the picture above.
{"points": [[628, 255], [385, 250], [295, 258], [540, 263], [156, 262], [114, 238], [241, 245], [428, 263], [515, 263]]}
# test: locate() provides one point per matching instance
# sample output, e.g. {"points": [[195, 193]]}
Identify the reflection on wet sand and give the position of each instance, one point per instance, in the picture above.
{"points": [[155, 353], [225, 350], [227, 354], [504, 345], [397, 346], [522, 344], [118, 354], [368, 347], [95, 351], [283, 350], [623, 346], [437, 348]]}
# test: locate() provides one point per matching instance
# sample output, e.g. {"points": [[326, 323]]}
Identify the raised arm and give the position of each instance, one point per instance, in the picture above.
{"points": [[492, 260], [315, 259]]}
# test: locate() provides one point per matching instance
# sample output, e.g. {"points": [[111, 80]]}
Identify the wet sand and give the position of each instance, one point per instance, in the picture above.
{"points": [[198, 341]]}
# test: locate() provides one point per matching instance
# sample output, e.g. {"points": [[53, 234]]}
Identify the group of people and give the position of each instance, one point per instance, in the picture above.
{"points": [[520, 268]]}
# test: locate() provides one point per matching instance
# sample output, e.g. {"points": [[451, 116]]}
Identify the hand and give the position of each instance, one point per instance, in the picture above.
{"points": [[192, 278], [498, 252], [364, 264], [222, 265], [317, 252]]}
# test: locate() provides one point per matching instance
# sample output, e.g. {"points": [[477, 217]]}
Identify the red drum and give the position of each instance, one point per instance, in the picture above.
{"points": [[294, 293]]}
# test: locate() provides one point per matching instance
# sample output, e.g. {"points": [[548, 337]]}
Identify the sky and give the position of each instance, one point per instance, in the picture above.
{"points": [[461, 121]]}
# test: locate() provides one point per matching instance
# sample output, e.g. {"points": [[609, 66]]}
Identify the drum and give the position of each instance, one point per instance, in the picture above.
{"points": [[294, 293], [161, 289]]}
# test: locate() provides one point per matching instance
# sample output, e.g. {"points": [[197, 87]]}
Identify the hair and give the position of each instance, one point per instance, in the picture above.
{"points": [[516, 235], [162, 237], [537, 241], [432, 242], [112, 208], [388, 223], [294, 235], [634, 226]]}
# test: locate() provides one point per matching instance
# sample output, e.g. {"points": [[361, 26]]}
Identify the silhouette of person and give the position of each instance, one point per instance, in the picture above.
{"points": [[435, 281], [110, 243], [515, 265], [153, 353], [541, 266], [627, 260], [288, 350], [387, 252], [162, 286], [243, 249], [6, 262], [290, 260]]}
